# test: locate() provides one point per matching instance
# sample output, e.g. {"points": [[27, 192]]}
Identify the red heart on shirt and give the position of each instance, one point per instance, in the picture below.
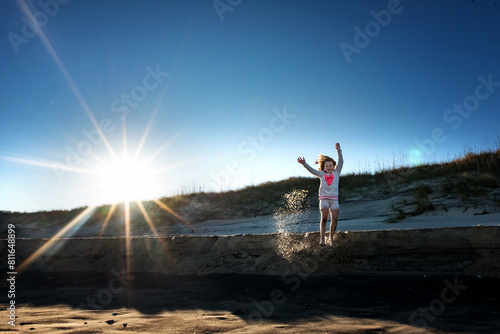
{"points": [[329, 179]]}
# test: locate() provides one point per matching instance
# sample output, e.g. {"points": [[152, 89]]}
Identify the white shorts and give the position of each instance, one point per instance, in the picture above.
{"points": [[332, 204]]}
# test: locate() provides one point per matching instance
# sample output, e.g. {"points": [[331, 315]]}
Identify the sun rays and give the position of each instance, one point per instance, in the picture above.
{"points": [[123, 180], [74, 223], [119, 179], [107, 219]]}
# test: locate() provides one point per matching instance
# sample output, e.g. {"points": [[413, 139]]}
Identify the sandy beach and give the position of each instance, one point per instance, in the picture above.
{"points": [[437, 272], [229, 303], [373, 282]]}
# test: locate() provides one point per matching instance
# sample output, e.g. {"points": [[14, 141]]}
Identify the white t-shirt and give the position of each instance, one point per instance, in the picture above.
{"points": [[329, 182]]}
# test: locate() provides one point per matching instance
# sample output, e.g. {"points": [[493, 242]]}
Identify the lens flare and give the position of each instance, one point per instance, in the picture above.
{"points": [[415, 156]]}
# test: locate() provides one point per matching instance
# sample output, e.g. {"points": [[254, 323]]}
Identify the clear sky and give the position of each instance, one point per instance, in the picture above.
{"points": [[222, 94]]}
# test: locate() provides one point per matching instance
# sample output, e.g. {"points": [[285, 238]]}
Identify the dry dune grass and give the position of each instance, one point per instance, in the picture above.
{"points": [[468, 177]]}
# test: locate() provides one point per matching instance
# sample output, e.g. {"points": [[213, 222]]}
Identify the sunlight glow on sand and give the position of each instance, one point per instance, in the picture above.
{"points": [[80, 219], [172, 212], [148, 219], [106, 220], [128, 267], [121, 180]]}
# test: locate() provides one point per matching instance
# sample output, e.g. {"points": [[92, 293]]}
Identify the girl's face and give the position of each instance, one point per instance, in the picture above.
{"points": [[328, 166]]}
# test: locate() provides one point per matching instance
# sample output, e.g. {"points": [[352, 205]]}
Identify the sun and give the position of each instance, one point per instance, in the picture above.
{"points": [[126, 180]]}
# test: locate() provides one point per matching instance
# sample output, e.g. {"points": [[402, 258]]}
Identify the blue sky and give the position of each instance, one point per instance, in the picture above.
{"points": [[233, 91]]}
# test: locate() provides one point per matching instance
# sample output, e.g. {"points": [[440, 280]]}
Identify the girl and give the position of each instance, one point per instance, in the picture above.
{"points": [[329, 174]]}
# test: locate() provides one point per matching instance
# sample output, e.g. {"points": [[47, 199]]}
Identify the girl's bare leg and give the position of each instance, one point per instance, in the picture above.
{"points": [[322, 225], [333, 224]]}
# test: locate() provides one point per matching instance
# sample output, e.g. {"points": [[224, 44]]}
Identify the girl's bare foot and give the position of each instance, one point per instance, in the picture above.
{"points": [[331, 241]]}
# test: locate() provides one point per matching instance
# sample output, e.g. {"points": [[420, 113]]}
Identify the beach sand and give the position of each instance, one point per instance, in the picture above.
{"points": [[230, 303], [391, 290]]}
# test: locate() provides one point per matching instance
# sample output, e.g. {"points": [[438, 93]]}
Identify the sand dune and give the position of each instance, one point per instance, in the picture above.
{"points": [[436, 272]]}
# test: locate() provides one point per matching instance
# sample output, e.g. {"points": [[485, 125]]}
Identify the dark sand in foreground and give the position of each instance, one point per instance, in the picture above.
{"points": [[230, 303]]}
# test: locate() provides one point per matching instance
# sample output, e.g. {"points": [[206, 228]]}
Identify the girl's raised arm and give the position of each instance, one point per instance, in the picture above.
{"points": [[340, 158], [309, 168]]}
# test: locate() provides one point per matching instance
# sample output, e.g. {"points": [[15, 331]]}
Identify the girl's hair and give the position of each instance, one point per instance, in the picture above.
{"points": [[321, 161]]}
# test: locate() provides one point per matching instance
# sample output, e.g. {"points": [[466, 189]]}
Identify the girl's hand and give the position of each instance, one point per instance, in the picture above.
{"points": [[301, 160], [337, 146]]}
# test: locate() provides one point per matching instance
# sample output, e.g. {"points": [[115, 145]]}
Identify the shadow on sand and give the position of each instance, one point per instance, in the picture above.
{"points": [[434, 301]]}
